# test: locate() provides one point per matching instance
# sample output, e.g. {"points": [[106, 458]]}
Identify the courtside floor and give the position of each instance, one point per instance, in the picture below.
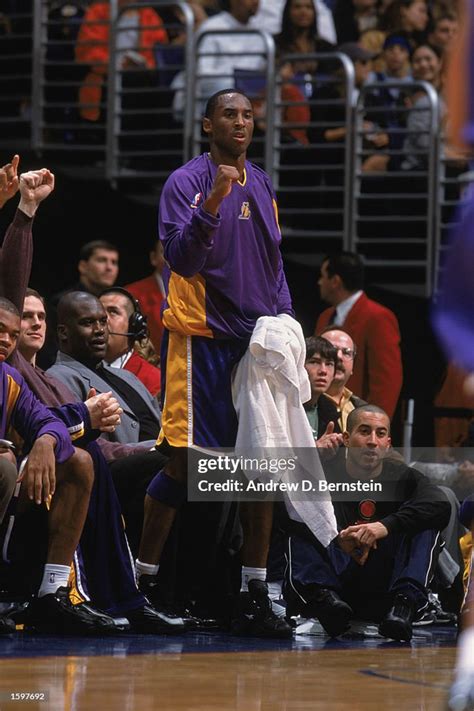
{"points": [[217, 672]]}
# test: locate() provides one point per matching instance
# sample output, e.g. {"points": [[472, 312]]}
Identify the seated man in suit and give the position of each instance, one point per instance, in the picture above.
{"points": [[384, 556], [83, 337], [378, 375]]}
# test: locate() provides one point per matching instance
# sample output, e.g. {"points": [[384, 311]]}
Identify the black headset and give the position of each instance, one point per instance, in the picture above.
{"points": [[137, 322]]}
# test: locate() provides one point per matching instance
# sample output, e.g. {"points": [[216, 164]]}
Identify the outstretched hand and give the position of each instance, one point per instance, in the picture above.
{"points": [[9, 182], [35, 186]]}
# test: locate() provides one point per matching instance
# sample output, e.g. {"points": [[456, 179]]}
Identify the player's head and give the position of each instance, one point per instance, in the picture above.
{"points": [[228, 122], [82, 327], [9, 328], [367, 439]]}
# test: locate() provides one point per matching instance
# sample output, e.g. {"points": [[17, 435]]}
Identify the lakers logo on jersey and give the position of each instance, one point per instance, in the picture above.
{"points": [[244, 211], [196, 200]]}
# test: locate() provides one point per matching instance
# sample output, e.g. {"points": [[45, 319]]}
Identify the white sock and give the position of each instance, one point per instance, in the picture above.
{"points": [[275, 589], [251, 574], [145, 569], [54, 577], [465, 653]]}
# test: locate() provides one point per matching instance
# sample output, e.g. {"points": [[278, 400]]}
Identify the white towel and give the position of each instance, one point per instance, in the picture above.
{"points": [[269, 388]]}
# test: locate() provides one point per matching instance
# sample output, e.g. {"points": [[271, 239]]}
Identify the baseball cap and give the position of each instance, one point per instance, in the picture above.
{"points": [[394, 39]]}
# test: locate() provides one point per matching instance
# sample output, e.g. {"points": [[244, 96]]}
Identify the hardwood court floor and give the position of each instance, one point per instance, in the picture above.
{"points": [[219, 673]]}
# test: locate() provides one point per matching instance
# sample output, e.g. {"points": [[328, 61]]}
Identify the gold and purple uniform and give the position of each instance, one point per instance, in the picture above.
{"points": [[223, 273]]}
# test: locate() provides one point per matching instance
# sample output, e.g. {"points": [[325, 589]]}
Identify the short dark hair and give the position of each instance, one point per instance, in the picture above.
{"points": [[68, 303], [432, 47], [349, 267], [354, 416], [7, 305], [36, 294], [321, 346], [87, 250], [214, 99]]}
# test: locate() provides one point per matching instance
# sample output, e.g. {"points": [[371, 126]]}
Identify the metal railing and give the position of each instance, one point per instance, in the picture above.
{"points": [[311, 167], [145, 138], [395, 178], [16, 86], [328, 203]]}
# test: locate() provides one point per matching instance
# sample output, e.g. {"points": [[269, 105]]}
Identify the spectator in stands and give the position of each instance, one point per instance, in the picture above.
{"points": [[385, 105], [126, 326], [246, 51], [389, 541], [330, 133], [344, 398], [98, 268], [320, 364], [353, 17], [83, 335], [150, 293], [139, 29], [411, 16], [270, 17], [445, 31], [377, 376], [299, 35]]}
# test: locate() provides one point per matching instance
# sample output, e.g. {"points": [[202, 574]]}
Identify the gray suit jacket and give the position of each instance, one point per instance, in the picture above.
{"points": [[80, 379]]}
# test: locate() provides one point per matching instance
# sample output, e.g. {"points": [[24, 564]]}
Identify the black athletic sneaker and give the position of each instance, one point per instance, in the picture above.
{"points": [[323, 604], [55, 613], [149, 585], [254, 617], [399, 620], [147, 620]]}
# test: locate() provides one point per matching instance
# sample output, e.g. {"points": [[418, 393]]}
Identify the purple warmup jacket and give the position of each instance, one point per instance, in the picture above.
{"points": [[22, 411], [223, 272]]}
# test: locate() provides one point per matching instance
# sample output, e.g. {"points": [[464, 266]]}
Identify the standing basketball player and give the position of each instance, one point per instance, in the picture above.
{"points": [[219, 227]]}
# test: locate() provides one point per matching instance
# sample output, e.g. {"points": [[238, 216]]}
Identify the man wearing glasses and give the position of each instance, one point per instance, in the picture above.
{"points": [[344, 398]]}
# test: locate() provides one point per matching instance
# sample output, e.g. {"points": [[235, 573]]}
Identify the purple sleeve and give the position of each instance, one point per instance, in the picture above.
{"points": [[187, 233], [15, 259], [32, 420]]}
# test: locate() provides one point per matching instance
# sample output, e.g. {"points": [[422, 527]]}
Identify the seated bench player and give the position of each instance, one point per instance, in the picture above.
{"points": [[383, 558]]}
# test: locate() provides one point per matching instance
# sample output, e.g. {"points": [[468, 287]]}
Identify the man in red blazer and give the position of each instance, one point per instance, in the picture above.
{"points": [[378, 375], [150, 294]]}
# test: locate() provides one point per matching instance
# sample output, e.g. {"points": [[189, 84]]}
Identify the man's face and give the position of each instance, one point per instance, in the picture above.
{"points": [[362, 69], [230, 128], [326, 284], [33, 327], [368, 442], [115, 306], [9, 333], [396, 58], [101, 269], [345, 355], [243, 10], [320, 372], [85, 336], [444, 32]]}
